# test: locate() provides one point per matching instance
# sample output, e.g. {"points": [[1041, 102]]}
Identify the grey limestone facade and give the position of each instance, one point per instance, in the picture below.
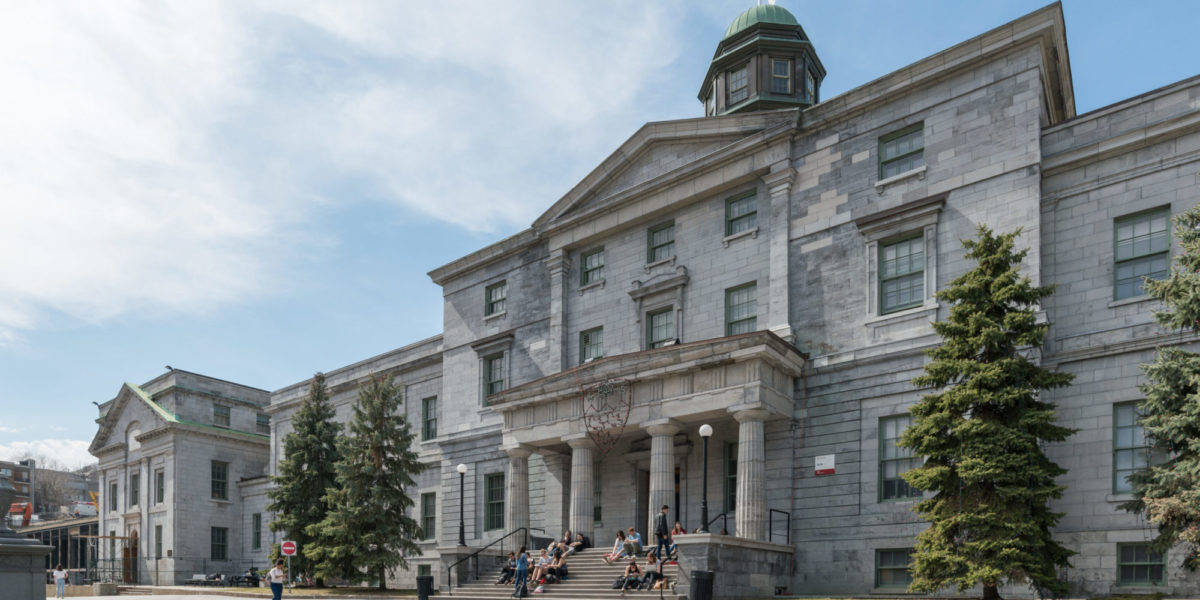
{"points": [[769, 270]]}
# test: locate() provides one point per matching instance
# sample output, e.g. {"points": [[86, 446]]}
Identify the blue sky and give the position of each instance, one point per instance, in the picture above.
{"points": [[255, 190]]}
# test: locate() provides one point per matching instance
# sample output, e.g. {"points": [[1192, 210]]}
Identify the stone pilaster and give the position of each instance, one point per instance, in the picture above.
{"points": [[662, 471], [779, 186], [582, 486], [558, 264], [517, 502], [751, 475]]}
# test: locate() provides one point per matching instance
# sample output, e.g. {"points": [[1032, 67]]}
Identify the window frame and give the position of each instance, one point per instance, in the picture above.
{"points": [[730, 91], [879, 568], [1161, 563], [256, 531], [112, 496], [429, 418], [590, 335], [810, 84], [428, 515], [652, 248], [220, 484], [729, 460], [493, 508], [730, 323], [213, 544], [160, 486], [490, 372], [751, 216], [135, 489], [158, 545], [1116, 449], [789, 89], [1148, 214], [595, 273], [895, 135], [494, 306], [914, 493], [222, 412], [262, 423], [651, 341], [919, 237]]}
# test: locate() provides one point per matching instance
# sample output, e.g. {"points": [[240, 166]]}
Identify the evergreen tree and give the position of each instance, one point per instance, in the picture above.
{"points": [[981, 433], [1169, 492], [368, 528], [306, 471]]}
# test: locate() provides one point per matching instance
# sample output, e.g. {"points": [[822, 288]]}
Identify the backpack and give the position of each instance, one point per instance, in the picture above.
{"points": [[619, 582], [523, 591]]}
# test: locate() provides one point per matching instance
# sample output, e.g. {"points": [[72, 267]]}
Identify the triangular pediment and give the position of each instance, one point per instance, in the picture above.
{"points": [[132, 403], [658, 151]]}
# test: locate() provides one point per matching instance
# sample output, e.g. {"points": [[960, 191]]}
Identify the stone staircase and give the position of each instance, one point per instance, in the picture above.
{"points": [[588, 578], [134, 590]]}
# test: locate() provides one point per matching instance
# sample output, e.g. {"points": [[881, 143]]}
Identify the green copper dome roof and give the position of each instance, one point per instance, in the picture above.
{"points": [[763, 13]]}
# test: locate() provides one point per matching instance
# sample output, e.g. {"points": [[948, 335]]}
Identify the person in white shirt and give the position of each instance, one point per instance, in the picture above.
{"points": [[276, 578], [60, 582]]}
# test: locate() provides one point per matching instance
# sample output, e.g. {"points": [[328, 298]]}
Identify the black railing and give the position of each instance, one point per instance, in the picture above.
{"points": [[724, 523], [771, 524], [523, 540]]}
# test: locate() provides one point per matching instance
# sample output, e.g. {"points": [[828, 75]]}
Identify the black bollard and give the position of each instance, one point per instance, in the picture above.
{"points": [[702, 585], [424, 586]]}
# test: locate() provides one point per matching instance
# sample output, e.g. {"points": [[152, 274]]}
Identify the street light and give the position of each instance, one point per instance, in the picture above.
{"points": [[705, 433], [462, 502]]}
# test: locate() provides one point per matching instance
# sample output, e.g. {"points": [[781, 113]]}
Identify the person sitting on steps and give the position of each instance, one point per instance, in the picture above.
{"points": [[633, 575], [540, 570], [558, 567], [633, 543], [508, 570], [678, 530], [577, 545], [618, 549], [654, 572]]}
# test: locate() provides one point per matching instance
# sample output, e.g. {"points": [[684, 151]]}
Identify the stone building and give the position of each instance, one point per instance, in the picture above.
{"points": [[768, 269]]}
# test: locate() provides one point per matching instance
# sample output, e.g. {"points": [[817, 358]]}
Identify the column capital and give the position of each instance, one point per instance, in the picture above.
{"points": [[518, 450], [747, 415], [579, 440], [658, 427], [780, 182], [558, 262]]}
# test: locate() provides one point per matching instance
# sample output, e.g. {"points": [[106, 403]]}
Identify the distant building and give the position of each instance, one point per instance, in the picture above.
{"points": [[768, 269]]}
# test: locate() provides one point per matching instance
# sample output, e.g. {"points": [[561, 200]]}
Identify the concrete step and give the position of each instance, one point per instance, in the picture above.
{"points": [[134, 590]]}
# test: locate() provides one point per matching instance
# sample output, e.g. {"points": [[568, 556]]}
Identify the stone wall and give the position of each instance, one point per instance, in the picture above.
{"points": [[742, 568]]}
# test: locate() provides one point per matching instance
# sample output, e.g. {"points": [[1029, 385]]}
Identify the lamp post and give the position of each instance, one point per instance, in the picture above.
{"points": [[705, 433], [462, 502]]}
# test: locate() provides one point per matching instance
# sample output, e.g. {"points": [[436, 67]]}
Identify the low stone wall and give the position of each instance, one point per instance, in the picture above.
{"points": [[71, 590], [741, 568]]}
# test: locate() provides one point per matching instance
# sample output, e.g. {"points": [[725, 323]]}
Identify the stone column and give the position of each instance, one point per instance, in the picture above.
{"points": [[517, 503], [582, 487], [779, 186], [662, 471], [751, 475], [558, 264]]}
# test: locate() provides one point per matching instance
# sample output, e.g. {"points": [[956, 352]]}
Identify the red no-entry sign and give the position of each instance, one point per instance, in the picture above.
{"points": [[287, 548]]}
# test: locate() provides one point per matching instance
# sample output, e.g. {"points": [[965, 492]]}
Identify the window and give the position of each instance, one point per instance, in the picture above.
{"points": [[739, 85], [810, 88], [1131, 453], [256, 531], [135, 485], [891, 568], [741, 213], [428, 516], [1138, 564], [1141, 250], [591, 344], [160, 486], [158, 541], [901, 274], [781, 76], [429, 418], [902, 151], [741, 309], [493, 509], [494, 296], [219, 543], [220, 415], [220, 480], [894, 461], [493, 374], [591, 267], [661, 242], [596, 512], [660, 328], [262, 424], [424, 570], [730, 460], [112, 496]]}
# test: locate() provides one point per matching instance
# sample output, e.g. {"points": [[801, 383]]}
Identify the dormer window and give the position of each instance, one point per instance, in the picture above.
{"points": [[810, 88], [739, 85], [781, 76]]}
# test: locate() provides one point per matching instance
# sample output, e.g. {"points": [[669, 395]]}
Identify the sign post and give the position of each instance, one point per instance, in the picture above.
{"points": [[288, 549]]}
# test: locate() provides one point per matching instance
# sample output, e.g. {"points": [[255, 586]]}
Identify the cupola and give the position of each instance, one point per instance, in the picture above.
{"points": [[764, 62]]}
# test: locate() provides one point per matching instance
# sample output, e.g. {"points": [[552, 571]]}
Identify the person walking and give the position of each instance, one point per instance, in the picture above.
{"points": [[661, 531], [60, 582], [276, 578], [522, 571]]}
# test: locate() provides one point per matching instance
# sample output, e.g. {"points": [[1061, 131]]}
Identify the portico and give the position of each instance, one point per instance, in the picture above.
{"points": [[665, 394]]}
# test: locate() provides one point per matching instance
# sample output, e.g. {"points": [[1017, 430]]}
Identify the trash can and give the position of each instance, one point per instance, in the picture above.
{"points": [[424, 586], [702, 585]]}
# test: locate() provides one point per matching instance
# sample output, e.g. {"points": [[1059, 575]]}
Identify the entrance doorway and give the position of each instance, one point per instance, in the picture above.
{"points": [[129, 559], [641, 509]]}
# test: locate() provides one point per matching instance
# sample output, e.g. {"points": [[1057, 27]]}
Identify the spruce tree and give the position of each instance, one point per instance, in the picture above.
{"points": [[982, 431], [1169, 492], [368, 529], [306, 471]]}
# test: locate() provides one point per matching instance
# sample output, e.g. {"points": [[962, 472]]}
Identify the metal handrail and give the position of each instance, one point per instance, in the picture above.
{"points": [[771, 524], [724, 523], [475, 555]]}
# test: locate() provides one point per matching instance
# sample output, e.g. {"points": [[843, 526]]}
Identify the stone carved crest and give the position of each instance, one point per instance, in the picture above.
{"points": [[606, 408]]}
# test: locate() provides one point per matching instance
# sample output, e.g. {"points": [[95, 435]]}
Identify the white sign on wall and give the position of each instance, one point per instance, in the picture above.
{"points": [[824, 465]]}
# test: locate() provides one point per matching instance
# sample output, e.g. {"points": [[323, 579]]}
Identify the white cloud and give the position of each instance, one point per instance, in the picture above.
{"points": [[166, 157], [70, 454]]}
